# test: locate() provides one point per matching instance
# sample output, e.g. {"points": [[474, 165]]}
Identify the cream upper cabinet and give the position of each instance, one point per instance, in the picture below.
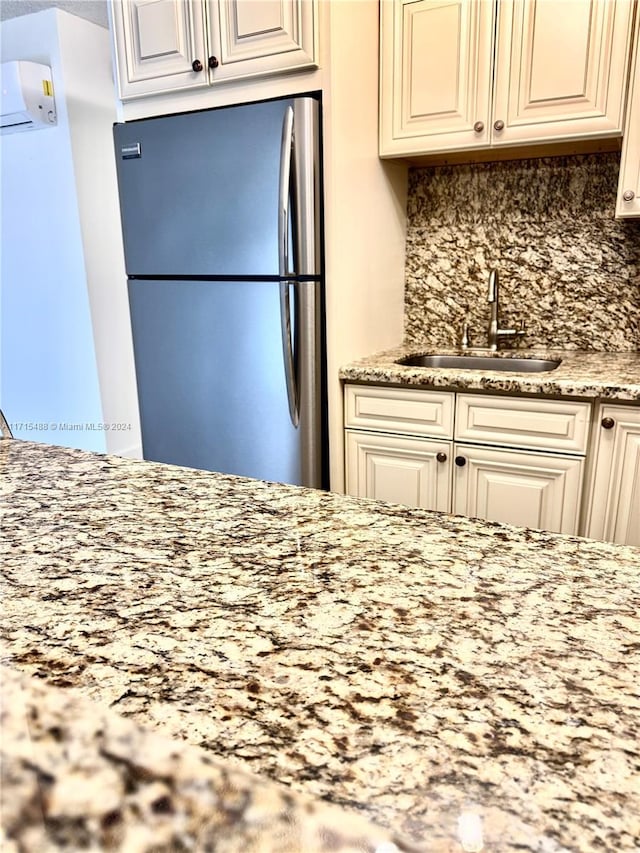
{"points": [[255, 37], [628, 201], [436, 71], [172, 45], [613, 510], [556, 71], [560, 69], [157, 44]]}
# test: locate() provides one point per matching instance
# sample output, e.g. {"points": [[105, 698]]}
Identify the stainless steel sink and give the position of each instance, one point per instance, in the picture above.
{"points": [[491, 361]]}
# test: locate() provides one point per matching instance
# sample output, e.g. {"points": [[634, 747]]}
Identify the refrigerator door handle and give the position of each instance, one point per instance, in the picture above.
{"points": [[290, 371], [286, 153], [288, 353]]}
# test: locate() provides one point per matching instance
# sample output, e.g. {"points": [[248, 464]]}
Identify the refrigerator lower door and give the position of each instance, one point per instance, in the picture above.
{"points": [[211, 382]]}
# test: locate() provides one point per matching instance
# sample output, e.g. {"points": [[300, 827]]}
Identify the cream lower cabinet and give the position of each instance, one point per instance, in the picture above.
{"points": [[613, 511], [516, 460], [399, 469], [520, 460], [398, 445], [539, 490], [172, 45]]}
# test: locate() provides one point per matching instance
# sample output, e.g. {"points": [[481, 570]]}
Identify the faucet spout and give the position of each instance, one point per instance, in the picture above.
{"points": [[493, 299], [495, 333], [493, 286]]}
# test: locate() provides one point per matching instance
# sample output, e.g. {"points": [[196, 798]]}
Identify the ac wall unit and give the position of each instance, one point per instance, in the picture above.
{"points": [[27, 101]]}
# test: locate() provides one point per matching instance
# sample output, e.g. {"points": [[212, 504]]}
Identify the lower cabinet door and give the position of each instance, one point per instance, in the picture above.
{"points": [[614, 504], [411, 471], [528, 489]]}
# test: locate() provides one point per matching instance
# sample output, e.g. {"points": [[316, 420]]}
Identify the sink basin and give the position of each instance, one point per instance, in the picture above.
{"points": [[482, 362]]}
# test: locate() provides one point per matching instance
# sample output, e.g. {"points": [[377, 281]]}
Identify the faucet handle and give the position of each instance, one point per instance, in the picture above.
{"points": [[464, 343]]}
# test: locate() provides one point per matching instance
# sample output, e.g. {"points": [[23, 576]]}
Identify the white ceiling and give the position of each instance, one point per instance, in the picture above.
{"points": [[92, 10]]}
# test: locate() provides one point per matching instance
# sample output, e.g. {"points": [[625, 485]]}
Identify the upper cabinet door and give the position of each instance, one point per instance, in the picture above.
{"points": [[159, 40], [435, 75], [560, 69], [252, 37], [170, 45], [628, 202]]}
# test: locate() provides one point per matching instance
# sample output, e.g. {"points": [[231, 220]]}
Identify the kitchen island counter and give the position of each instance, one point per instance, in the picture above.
{"points": [[417, 668], [588, 374]]}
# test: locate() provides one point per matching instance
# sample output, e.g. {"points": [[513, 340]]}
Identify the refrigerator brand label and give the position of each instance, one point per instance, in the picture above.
{"points": [[130, 151]]}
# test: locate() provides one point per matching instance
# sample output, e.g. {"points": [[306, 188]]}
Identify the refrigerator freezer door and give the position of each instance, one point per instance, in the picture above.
{"points": [[199, 191], [210, 378]]}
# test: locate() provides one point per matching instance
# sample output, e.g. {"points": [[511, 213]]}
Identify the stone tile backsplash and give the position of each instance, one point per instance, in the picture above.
{"points": [[567, 267]]}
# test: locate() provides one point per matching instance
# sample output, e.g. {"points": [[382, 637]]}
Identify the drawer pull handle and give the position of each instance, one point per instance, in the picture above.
{"points": [[628, 195], [478, 126], [460, 461], [441, 457], [608, 423], [498, 125], [197, 65]]}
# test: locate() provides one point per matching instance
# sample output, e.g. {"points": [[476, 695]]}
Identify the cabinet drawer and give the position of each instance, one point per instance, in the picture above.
{"points": [[414, 412], [522, 422]]}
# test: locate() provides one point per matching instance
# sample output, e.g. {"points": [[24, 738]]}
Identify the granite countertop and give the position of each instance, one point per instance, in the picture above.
{"points": [[610, 376], [437, 676], [106, 783]]}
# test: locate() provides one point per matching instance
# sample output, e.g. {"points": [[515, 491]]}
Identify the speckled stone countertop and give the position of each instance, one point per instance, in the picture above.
{"points": [[101, 782], [610, 376], [445, 678]]}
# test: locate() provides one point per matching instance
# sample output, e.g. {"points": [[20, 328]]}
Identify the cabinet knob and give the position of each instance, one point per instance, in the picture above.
{"points": [[197, 65], [478, 126], [498, 125], [628, 195], [441, 457], [460, 461], [607, 423], [213, 62]]}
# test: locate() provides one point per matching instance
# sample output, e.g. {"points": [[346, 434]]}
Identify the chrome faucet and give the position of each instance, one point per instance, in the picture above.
{"points": [[495, 333], [493, 302]]}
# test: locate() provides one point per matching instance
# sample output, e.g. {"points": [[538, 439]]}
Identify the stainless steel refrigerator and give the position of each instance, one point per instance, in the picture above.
{"points": [[221, 221]]}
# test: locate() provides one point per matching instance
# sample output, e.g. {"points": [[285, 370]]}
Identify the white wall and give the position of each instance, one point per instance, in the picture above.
{"points": [[65, 337], [49, 372], [90, 94]]}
